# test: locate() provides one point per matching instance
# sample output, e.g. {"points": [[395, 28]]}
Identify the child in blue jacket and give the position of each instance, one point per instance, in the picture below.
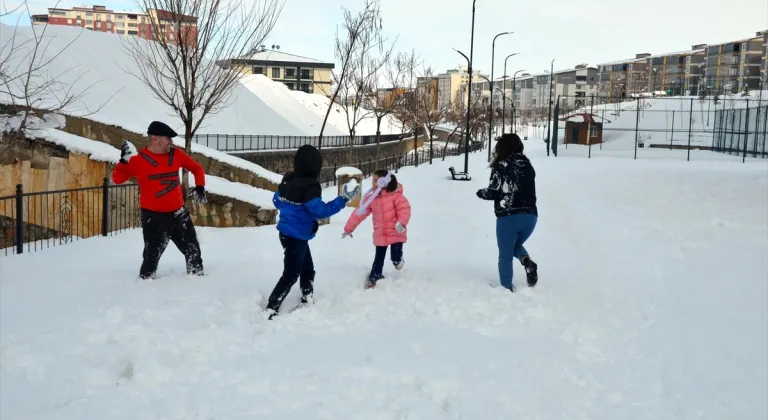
{"points": [[299, 201]]}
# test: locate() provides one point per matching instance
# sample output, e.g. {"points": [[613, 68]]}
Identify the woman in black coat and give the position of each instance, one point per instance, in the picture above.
{"points": [[513, 191]]}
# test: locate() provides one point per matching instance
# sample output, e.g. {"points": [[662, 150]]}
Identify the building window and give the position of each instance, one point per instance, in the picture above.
{"points": [[305, 74], [290, 86], [69, 21], [305, 87], [592, 131], [98, 24], [275, 72], [109, 25], [290, 72], [258, 70]]}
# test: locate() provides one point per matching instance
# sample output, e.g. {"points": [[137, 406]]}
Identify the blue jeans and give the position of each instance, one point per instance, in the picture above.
{"points": [[396, 255], [511, 233]]}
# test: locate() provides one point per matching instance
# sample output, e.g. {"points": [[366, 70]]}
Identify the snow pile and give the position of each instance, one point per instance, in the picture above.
{"points": [[339, 119], [348, 171], [113, 96], [660, 325]]}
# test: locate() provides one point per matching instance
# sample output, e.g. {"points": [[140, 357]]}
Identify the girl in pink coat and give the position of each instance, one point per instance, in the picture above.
{"points": [[391, 214]]}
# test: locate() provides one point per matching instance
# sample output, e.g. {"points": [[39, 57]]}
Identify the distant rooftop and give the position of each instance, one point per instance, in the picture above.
{"points": [[273, 55]]}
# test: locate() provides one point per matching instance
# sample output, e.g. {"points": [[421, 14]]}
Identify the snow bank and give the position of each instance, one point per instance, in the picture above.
{"points": [[338, 118], [652, 328], [348, 171], [238, 190], [130, 104]]}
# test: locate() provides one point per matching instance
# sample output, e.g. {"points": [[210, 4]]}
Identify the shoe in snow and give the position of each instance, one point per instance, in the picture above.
{"points": [[370, 284], [530, 272], [307, 300], [399, 266]]}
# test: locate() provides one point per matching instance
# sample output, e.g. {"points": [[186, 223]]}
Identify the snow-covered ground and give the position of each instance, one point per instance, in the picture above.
{"points": [[113, 95], [652, 304]]}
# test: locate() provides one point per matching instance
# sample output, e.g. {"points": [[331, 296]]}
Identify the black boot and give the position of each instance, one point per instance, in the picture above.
{"points": [[530, 271]]}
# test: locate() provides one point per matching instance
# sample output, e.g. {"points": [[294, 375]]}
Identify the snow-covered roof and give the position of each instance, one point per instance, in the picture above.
{"points": [[272, 55], [628, 60], [686, 52]]}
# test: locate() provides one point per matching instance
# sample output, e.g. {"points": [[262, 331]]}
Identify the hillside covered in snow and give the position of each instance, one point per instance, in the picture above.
{"points": [[99, 66]]}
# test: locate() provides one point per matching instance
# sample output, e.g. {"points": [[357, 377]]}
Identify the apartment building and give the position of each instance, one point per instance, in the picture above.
{"points": [[619, 79], [574, 85], [452, 82], [150, 25], [296, 72], [676, 73], [432, 84], [765, 60], [734, 65]]}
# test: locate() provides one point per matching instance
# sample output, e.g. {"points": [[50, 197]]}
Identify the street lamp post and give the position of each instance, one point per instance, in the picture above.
{"points": [[490, 121], [514, 77], [504, 92], [469, 91], [493, 110], [549, 113]]}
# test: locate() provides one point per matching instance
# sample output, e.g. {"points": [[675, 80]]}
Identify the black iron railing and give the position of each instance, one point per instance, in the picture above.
{"points": [[38, 220], [255, 143]]}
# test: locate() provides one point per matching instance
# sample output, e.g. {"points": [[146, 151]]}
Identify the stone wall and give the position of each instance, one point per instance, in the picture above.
{"points": [[43, 166], [115, 136], [281, 161]]}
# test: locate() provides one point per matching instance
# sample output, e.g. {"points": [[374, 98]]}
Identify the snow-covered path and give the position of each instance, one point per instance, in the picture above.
{"points": [[652, 304]]}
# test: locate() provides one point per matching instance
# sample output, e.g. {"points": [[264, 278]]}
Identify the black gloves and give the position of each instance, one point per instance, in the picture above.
{"points": [[126, 152], [198, 194]]}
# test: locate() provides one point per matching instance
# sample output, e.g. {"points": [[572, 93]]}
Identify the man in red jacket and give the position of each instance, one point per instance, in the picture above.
{"points": [[163, 214]]}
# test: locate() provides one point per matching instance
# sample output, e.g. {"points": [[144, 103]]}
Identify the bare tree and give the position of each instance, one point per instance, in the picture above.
{"points": [[193, 62], [360, 85], [28, 78], [360, 33]]}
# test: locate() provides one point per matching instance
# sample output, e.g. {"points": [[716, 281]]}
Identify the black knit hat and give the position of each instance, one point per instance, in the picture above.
{"points": [[156, 128], [308, 161]]}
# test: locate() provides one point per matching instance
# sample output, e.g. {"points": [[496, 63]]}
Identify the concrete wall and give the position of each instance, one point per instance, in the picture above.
{"points": [[333, 158]]}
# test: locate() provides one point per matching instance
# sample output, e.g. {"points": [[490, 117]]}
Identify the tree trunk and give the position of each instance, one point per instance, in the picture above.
{"points": [[188, 151], [378, 136]]}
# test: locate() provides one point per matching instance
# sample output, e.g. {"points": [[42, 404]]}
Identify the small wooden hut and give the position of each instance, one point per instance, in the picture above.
{"points": [[583, 128]]}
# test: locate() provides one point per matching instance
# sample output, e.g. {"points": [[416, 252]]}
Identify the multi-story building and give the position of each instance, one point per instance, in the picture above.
{"points": [[677, 72], [571, 85], [619, 79], [431, 83], [296, 72], [150, 25], [450, 83], [734, 65], [765, 60], [523, 91]]}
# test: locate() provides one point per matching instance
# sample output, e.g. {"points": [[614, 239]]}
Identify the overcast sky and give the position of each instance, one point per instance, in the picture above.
{"points": [[569, 31]]}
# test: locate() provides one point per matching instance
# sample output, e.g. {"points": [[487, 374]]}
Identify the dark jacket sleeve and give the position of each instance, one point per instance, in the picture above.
{"points": [[493, 191]]}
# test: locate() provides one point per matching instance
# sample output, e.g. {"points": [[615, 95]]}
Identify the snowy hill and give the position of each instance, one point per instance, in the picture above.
{"points": [[652, 304], [99, 63]]}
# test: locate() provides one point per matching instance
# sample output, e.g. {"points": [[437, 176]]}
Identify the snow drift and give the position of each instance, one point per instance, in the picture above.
{"points": [[99, 64]]}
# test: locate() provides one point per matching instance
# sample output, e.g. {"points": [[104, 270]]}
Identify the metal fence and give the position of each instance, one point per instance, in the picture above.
{"points": [[253, 143], [657, 127], [34, 221], [39, 220], [395, 162]]}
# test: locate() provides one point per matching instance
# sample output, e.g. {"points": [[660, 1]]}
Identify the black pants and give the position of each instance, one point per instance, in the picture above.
{"points": [[297, 264], [158, 229], [396, 254]]}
